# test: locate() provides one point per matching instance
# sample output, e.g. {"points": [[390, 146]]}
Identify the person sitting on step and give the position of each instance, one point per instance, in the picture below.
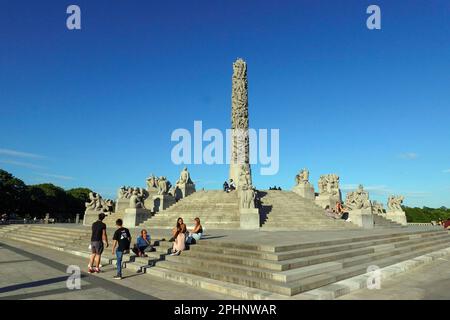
{"points": [[177, 228], [180, 241], [341, 212], [232, 185], [196, 233], [331, 213], [143, 244], [226, 187]]}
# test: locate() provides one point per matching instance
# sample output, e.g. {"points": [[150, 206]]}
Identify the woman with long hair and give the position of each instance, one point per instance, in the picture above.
{"points": [[196, 233], [180, 239]]}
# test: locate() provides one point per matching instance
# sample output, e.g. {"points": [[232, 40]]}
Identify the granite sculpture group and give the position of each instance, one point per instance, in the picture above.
{"points": [[160, 194], [357, 202]]}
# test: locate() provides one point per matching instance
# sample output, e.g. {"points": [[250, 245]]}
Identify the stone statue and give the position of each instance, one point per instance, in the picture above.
{"points": [[395, 203], [240, 140], [152, 182], [358, 199], [329, 185], [244, 177], [163, 186], [377, 207], [247, 197], [121, 193], [302, 177], [185, 178], [128, 193], [136, 200], [95, 202]]}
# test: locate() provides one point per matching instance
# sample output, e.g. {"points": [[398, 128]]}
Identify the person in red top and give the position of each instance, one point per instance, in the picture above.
{"points": [[447, 224]]}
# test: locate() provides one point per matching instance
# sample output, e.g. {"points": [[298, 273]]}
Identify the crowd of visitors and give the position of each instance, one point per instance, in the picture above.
{"points": [[122, 242]]}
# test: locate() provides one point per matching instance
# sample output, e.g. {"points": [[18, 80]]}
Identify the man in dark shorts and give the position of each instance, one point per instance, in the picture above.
{"points": [[98, 239], [121, 241]]}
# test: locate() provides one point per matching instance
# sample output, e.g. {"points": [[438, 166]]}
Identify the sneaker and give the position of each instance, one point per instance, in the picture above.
{"points": [[90, 270], [97, 270], [177, 253], [117, 277]]}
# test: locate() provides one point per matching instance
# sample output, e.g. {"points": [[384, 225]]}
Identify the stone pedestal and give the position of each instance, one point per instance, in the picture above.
{"points": [[327, 200], [134, 216], [397, 216], [121, 205], [90, 216], [362, 218], [184, 190], [77, 218], [162, 202], [305, 190], [249, 219]]}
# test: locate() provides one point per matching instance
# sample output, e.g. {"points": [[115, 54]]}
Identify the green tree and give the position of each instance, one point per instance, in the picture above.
{"points": [[13, 194]]}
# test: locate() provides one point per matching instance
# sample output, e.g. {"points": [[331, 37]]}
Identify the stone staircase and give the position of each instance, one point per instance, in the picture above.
{"points": [[110, 220], [254, 270], [285, 210], [76, 241], [380, 221], [215, 208], [277, 271]]}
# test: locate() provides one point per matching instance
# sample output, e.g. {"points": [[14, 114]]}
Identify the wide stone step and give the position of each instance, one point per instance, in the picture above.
{"points": [[307, 249], [297, 286], [280, 276], [49, 235], [53, 232]]}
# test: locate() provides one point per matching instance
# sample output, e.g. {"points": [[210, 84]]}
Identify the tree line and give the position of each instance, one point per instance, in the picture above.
{"points": [[29, 201], [426, 214]]}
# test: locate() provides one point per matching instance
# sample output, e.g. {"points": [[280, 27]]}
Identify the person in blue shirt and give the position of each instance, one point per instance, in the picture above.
{"points": [[142, 244]]}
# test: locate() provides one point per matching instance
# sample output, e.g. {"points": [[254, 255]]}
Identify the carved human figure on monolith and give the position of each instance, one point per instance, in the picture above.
{"points": [[240, 141]]}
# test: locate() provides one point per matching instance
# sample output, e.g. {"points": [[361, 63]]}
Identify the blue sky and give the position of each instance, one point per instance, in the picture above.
{"points": [[96, 107]]}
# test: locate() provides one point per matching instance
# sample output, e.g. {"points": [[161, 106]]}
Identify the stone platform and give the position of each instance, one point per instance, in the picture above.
{"points": [[259, 264]]}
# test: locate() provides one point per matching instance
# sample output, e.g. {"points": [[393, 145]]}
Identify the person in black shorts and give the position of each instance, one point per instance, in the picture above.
{"points": [[98, 239], [121, 240]]}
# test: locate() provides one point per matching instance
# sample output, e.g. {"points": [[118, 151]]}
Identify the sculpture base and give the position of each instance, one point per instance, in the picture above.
{"points": [[135, 216], [249, 218], [324, 200], [162, 202], [121, 205], [397, 216], [184, 191], [90, 216], [362, 218], [305, 190]]}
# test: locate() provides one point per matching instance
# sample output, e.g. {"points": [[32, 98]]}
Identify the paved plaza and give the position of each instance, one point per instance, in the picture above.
{"points": [[39, 273]]}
